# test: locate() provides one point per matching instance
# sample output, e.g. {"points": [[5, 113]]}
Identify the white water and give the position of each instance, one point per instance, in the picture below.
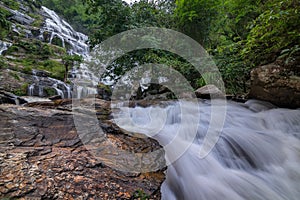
{"points": [[61, 29], [78, 45], [257, 156], [4, 46], [75, 43], [40, 83]]}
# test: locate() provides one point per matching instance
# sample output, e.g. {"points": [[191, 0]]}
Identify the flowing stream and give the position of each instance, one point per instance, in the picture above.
{"points": [[257, 156]]}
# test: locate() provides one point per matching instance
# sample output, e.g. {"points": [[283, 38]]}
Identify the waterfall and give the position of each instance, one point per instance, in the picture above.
{"points": [[85, 82], [41, 84], [256, 157], [4, 46], [61, 29], [75, 43]]}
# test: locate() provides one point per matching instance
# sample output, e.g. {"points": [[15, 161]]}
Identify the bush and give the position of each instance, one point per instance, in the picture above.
{"points": [[50, 91], [56, 68], [15, 5], [27, 70], [22, 91]]}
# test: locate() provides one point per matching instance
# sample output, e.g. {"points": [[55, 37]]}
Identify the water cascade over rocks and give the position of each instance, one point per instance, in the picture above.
{"points": [[4, 46], [57, 28], [57, 31], [43, 82], [256, 157]]}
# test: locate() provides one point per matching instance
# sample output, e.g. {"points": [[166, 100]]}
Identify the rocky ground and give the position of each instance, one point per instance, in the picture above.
{"points": [[42, 157]]}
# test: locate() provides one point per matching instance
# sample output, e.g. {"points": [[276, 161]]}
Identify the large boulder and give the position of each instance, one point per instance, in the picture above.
{"points": [[209, 92], [42, 156], [275, 84]]}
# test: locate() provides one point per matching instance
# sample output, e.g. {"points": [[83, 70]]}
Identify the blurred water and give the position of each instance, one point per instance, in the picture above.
{"points": [[256, 157]]}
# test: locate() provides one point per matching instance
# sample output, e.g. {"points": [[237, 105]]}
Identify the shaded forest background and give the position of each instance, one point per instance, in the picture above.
{"points": [[239, 34]]}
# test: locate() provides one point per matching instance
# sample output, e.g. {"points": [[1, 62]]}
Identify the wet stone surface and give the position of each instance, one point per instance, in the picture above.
{"points": [[42, 157]]}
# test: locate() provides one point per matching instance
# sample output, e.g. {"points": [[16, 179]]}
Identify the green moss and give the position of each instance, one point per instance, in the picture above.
{"points": [[12, 49], [50, 91], [56, 69], [15, 5], [3, 64], [14, 75], [37, 23], [104, 87], [27, 70], [57, 41], [140, 194], [22, 91], [4, 23], [45, 51]]}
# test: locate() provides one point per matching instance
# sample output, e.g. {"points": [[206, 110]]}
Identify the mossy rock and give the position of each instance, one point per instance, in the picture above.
{"points": [[104, 91], [22, 91], [13, 4], [57, 41], [49, 91]]}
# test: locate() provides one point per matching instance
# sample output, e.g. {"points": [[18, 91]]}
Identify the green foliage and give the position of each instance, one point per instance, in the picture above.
{"points": [[235, 72], [249, 33], [11, 4], [240, 34], [4, 23], [55, 68], [140, 194], [195, 17], [275, 29], [14, 75], [288, 54], [71, 59], [22, 91], [74, 12], [27, 70], [50, 91], [146, 13], [117, 16]]}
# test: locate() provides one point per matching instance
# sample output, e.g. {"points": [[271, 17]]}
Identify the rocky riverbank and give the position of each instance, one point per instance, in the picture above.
{"points": [[42, 157]]}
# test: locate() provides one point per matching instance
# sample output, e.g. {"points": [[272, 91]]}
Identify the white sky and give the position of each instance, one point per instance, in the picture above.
{"points": [[129, 1]]}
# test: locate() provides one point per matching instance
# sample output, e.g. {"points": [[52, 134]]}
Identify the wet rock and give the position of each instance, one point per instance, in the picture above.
{"points": [[41, 73], [275, 84], [21, 17], [9, 98], [42, 156], [55, 97], [209, 92], [104, 91]]}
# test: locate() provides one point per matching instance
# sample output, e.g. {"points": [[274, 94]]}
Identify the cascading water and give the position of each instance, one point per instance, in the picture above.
{"points": [[40, 83], [75, 43], [4, 46], [84, 80], [257, 155]]}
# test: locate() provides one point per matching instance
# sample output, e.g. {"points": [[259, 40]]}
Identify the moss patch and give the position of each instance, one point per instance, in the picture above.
{"points": [[22, 91]]}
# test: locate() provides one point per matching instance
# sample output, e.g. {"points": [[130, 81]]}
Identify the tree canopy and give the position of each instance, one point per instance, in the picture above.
{"points": [[240, 34]]}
